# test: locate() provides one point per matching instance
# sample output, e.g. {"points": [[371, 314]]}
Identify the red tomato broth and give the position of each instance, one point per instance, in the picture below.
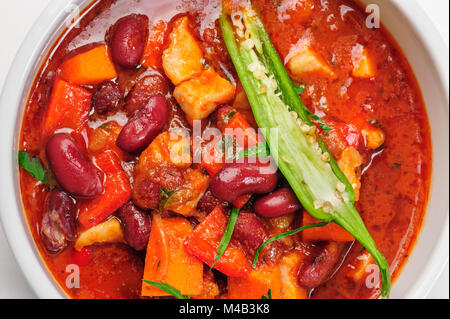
{"points": [[394, 188]]}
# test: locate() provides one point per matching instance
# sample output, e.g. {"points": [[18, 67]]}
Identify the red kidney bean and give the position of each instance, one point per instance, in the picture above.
{"points": [[146, 194], [128, 40], [74, 173], [140, 131], [143, 90], [237, 179], [251, 233], [279, 203], [106, 98], [208, 202], [313, 274], [58, 222], [136, 225]]}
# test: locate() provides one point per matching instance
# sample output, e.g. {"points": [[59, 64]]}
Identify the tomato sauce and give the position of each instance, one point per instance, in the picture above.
{"points": [[395, 178]]}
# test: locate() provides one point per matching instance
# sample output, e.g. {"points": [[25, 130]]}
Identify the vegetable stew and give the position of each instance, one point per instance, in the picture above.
{"points": [[225, 149]]}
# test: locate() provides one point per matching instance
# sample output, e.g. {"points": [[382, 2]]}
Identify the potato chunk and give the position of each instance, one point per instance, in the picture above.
{"points": [[184, 200], [362, 64], [349, 161], [289, 266], [307, 61], [200, 96], [109, 231], [183, 58], [373, 136]]}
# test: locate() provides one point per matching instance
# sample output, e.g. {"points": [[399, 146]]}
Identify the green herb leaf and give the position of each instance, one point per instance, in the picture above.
{"points": [[289, 233], [167, 288], [299, 89], [269, 295], [33, 166], [229, 116], [261, 150], [165, 196], [322, 124], [227, 235]]}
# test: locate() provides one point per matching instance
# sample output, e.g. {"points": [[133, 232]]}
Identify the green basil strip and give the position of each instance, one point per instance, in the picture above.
{"points": [[269, 295], [227, 235], [289, 233], [167, 288]]}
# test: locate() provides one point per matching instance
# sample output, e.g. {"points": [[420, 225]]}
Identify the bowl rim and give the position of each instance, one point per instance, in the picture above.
{"points": [[20, 239]]}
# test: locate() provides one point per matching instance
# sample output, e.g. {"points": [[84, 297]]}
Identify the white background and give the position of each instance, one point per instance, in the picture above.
{"points": [[18, 16]]}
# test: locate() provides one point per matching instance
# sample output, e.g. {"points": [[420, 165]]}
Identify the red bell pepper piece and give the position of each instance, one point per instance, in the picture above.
{"points": [[204, 241], [152, 57], [69, 107], [241, 201], [250, 137], [116, 192]]}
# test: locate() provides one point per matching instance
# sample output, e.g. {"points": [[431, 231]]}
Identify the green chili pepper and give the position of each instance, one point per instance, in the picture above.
{"points": [[301, 155]]}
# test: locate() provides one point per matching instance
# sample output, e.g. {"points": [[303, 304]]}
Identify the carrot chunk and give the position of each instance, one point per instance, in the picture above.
{"points": [[256, 284], [167, 261], [204, 242], [116, 192], [330, 232], [89, 68], [69, 107]]}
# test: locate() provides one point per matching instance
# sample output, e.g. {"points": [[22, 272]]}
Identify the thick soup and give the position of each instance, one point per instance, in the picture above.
{"points": [[130, 173]]}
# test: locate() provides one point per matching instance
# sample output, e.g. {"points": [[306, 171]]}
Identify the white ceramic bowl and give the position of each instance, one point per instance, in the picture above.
{"points": [[403, 18]]}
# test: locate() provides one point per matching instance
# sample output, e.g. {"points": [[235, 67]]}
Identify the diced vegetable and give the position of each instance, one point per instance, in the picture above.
{"points": [[153, 52], [289, 266], [68, 107], [183, 58], [167, 261], [213, 159], [104, 138], [210, 287], [244, 135], [109, 231], [307, 61], [349, 161], [358, 270], [116, 192], [168, 147], [330, 232], [280, 279], [201, 95], [374, 137], [301, 155], [89, 68], [363, 66], [256, 284], [184, 200], [241, 201], [203, 243]]}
